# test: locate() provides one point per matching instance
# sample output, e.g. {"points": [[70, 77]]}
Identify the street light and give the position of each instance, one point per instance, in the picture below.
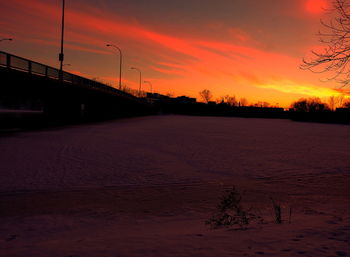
{"points": [[149, 82], [61, 55], [133, 68], [6, 39], [120, 64]]}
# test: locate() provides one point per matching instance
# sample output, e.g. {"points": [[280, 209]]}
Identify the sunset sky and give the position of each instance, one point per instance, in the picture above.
{"points": [[246, 48]]}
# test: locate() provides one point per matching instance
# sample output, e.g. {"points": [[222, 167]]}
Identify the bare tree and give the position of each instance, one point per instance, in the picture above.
{"points": [[346, 104], [340, 100], [243, 102], [335, 102], [331, 103], [262, 104], [230, 100], [266, 104], [227, 99], [335, 56], [220, 100], [206, 95]]}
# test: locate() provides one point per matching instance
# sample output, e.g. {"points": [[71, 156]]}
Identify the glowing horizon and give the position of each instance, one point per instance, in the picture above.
{"points": [[181, 52]]}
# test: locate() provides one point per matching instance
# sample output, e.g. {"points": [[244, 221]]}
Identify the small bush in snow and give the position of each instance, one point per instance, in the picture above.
{"points": [[230, 212], [278, 212]]}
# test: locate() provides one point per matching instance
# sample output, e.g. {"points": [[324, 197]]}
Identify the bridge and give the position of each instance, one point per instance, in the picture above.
{"points": [[29, 85]]}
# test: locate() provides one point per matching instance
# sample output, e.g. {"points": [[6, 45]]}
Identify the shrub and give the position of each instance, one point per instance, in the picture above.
{"points": [[278, 211], [230, 212]]}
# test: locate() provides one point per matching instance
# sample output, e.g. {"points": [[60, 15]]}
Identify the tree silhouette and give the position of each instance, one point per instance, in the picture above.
{"points": [[336, 101], [230, 100], [309, 105], [206, 95], [300, 105], [335, 56], [346, 105], [243, 102]]}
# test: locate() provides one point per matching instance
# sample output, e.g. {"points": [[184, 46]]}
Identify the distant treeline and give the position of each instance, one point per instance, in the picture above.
{"points": [[336, 110], [311, 109], [23, 113]]}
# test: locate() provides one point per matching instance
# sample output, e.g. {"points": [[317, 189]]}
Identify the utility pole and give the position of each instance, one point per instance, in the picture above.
{"points": [[61, 55]]}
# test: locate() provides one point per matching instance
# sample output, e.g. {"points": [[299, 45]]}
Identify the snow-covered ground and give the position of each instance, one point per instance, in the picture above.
{"points": [[145, 186]]}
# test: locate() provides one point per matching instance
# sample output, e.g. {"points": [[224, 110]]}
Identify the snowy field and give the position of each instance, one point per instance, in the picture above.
{"points": [[145, 186]]}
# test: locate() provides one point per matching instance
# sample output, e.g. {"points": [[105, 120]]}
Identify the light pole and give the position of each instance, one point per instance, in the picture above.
{"points": [[6, 39], [133, 68], [120, 64], [149, 82], [61, 55]]}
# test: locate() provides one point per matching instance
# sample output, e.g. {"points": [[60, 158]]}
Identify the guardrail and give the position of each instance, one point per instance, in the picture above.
{"points": [[14, 62]]}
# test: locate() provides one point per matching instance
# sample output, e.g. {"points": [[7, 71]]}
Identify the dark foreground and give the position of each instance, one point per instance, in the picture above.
{"points": [[145, 186]]}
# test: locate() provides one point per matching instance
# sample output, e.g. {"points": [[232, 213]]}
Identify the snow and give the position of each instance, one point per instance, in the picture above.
{"points": [[145, 186]]}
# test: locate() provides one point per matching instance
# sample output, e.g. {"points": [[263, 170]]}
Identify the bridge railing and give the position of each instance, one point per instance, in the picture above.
{"points": [[14, 62]]}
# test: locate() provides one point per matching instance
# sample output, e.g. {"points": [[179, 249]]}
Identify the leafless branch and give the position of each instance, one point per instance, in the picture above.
{"points": [[335, 56]]}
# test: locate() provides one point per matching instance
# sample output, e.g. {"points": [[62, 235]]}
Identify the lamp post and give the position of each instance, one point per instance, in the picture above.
{"points": [[149, 82], [133, 68], [6, 39], [120, 63], [61, 55]]}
